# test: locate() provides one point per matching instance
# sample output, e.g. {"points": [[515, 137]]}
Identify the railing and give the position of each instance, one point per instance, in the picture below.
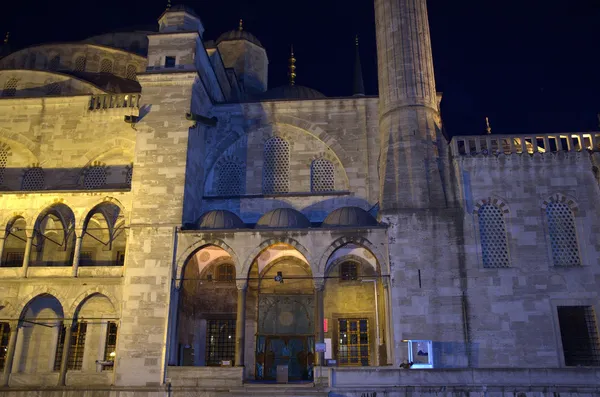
{"points": [[518, 144], [114, 101]]}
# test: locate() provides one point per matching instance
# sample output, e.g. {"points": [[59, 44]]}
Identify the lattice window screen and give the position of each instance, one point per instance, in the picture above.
{"points": [[230, 179], [3, 163], [80, 64], [129, 176], [131, 72], [53, 88], [492, 231], [33, 179], [563, 236], [322, 176], [95, 177], [276, 172], [106, 66], [10, 88]]}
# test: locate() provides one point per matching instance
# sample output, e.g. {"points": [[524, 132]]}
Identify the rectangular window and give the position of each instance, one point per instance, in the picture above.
{"points": [[348, 271], [4, 338], [579, 334], [220, 341], [14, 259], [110, 344], [60, 347], [85, 258], [77, 344], [420, 353], [170, 62], [353, 338]]}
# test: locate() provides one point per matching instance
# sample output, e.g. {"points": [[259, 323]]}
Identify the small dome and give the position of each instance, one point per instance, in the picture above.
{"points": [[349, 216], [291, 92], [220, 219], [283, 218], [239, 35]]}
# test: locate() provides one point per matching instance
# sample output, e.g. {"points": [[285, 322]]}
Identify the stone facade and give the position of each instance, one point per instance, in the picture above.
{"points": [[165, 236]]}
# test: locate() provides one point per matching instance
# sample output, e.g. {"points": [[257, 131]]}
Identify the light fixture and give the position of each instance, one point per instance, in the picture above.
{"points": [[279, 277], [112, 354]]}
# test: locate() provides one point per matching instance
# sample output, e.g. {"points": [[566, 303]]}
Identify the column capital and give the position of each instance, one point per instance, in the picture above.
{"points": [[319, 283], [29, 233], [241, 284]]}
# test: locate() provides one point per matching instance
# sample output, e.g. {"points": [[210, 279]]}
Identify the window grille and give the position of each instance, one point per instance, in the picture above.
{"points": [[60, 347], [86, 258], [110, 344], [77, 344], [10, 88], [276, 173], [492, 232], [3, 163], [80, 64], [349, 271], [579, 335], [129, 176], [4, 338], [322, 176], [230, 180], [13, 259], [226, 273], [220, 341], [106, 66], [54, 63], [353, 348], [33, 179], [53, 88], [131, 73], [563, 237], [95, 177]]}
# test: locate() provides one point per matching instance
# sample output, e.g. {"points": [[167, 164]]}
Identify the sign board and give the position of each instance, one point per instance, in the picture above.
{"points": [[320, 347], [328, 349]]}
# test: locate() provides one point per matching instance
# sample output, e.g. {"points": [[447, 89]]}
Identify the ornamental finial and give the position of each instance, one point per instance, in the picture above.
{"points": [[168, 4], [292, 72], [241, 25], [6, 38], [488, 125]]}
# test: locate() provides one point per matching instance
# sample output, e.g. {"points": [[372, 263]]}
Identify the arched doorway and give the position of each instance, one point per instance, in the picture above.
{"points": [[104, 237], [281, 292]]}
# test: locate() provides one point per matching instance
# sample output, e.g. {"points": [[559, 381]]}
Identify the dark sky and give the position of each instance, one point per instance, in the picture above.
{"points": [[530, 65]]}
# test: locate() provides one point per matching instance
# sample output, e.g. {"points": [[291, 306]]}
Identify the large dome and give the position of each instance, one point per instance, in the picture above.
{"points": [[239, 35], [349, 216], [291, 92], [283, 218], [220, 219]]}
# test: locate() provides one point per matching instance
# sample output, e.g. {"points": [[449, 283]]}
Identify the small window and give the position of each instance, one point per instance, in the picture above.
{"points": [[95, 177], [420, 353], [86, 258], [110, 344], [106, 66], [33, 179], [220, 341], [3, 161], [226, 273], [4, 338], [60, 347], [349, 271], [276, 171], [492, 233], [230, 179], [563, 236], [77, 345], [80, 64], [322, 178], [353, 338], [131, 73], [579, 335], [10, 88], [13, 259], [170, 62]]}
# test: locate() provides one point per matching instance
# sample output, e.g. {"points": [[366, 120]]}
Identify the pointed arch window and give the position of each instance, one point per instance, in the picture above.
{"points": [[131, 72], [10, 88], [276, 173], [80, 64], [106, 66], [33, 179], [492, 232], [230, 179], [322, 176], [563, 235]]}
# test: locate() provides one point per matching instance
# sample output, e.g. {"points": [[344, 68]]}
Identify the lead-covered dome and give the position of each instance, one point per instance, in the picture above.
{"points": [[239, 35], [292, 92], [220, 219], [349, 216], [283, 218]]}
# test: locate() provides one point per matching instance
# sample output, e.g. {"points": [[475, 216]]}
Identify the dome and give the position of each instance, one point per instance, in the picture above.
{"points": [[283, 218], [292, 92], [239, 35], [349, 216], [220, 219]]}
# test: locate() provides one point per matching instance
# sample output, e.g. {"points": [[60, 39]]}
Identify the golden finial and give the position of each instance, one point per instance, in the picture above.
{"points": [[292, 73], [168, 4], [489, 126], [241, 25], [6, 38]]}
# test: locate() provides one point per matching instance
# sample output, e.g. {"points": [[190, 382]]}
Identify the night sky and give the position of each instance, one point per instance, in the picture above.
{"points": [[530, 65]]}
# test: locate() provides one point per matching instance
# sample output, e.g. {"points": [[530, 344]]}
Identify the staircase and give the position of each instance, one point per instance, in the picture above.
{"points": [[278, 390]]}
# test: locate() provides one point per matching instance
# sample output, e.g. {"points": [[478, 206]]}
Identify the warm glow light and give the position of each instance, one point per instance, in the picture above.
{"points": [[112, 354], [325, 325]]}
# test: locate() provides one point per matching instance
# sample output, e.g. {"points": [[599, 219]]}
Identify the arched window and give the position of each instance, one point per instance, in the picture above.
{"points": [[276, 173], [131, 72], [80, 64], [10, 88], [106, 66], [95, 177], [563, 236], [226, 272], [492, 232], [230, 180], [54, 63], [349, 271], [33, 179], [4, 150], [322, 176]]}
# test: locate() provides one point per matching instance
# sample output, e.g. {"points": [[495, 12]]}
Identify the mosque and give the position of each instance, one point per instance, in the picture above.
{"points": [[173, 226]]}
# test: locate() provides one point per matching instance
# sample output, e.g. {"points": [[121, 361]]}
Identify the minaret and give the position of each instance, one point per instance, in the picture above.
{"points": [[410, 167], [359, 84]]}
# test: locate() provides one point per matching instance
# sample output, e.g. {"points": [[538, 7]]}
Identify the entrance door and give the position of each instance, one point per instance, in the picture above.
{"points": [[297, 352]]}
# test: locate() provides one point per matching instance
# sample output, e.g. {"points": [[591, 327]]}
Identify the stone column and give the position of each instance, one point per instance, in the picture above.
{"points": [[77, 253], [2, 241], [240, 325], [388, 321], [66, 350], [28, 245], [319, 309], [10, 353]]}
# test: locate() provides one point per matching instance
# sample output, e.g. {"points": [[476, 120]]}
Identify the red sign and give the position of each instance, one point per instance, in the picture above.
{"points": [[325, 325]]}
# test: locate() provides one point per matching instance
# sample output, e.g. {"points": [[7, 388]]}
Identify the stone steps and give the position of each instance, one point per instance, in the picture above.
{"points": [[278, 390]]}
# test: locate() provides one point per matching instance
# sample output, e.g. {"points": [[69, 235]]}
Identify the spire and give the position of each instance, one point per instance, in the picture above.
{"points": [[241, 25], [488, 125], [292, 72], [359, 84]]}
